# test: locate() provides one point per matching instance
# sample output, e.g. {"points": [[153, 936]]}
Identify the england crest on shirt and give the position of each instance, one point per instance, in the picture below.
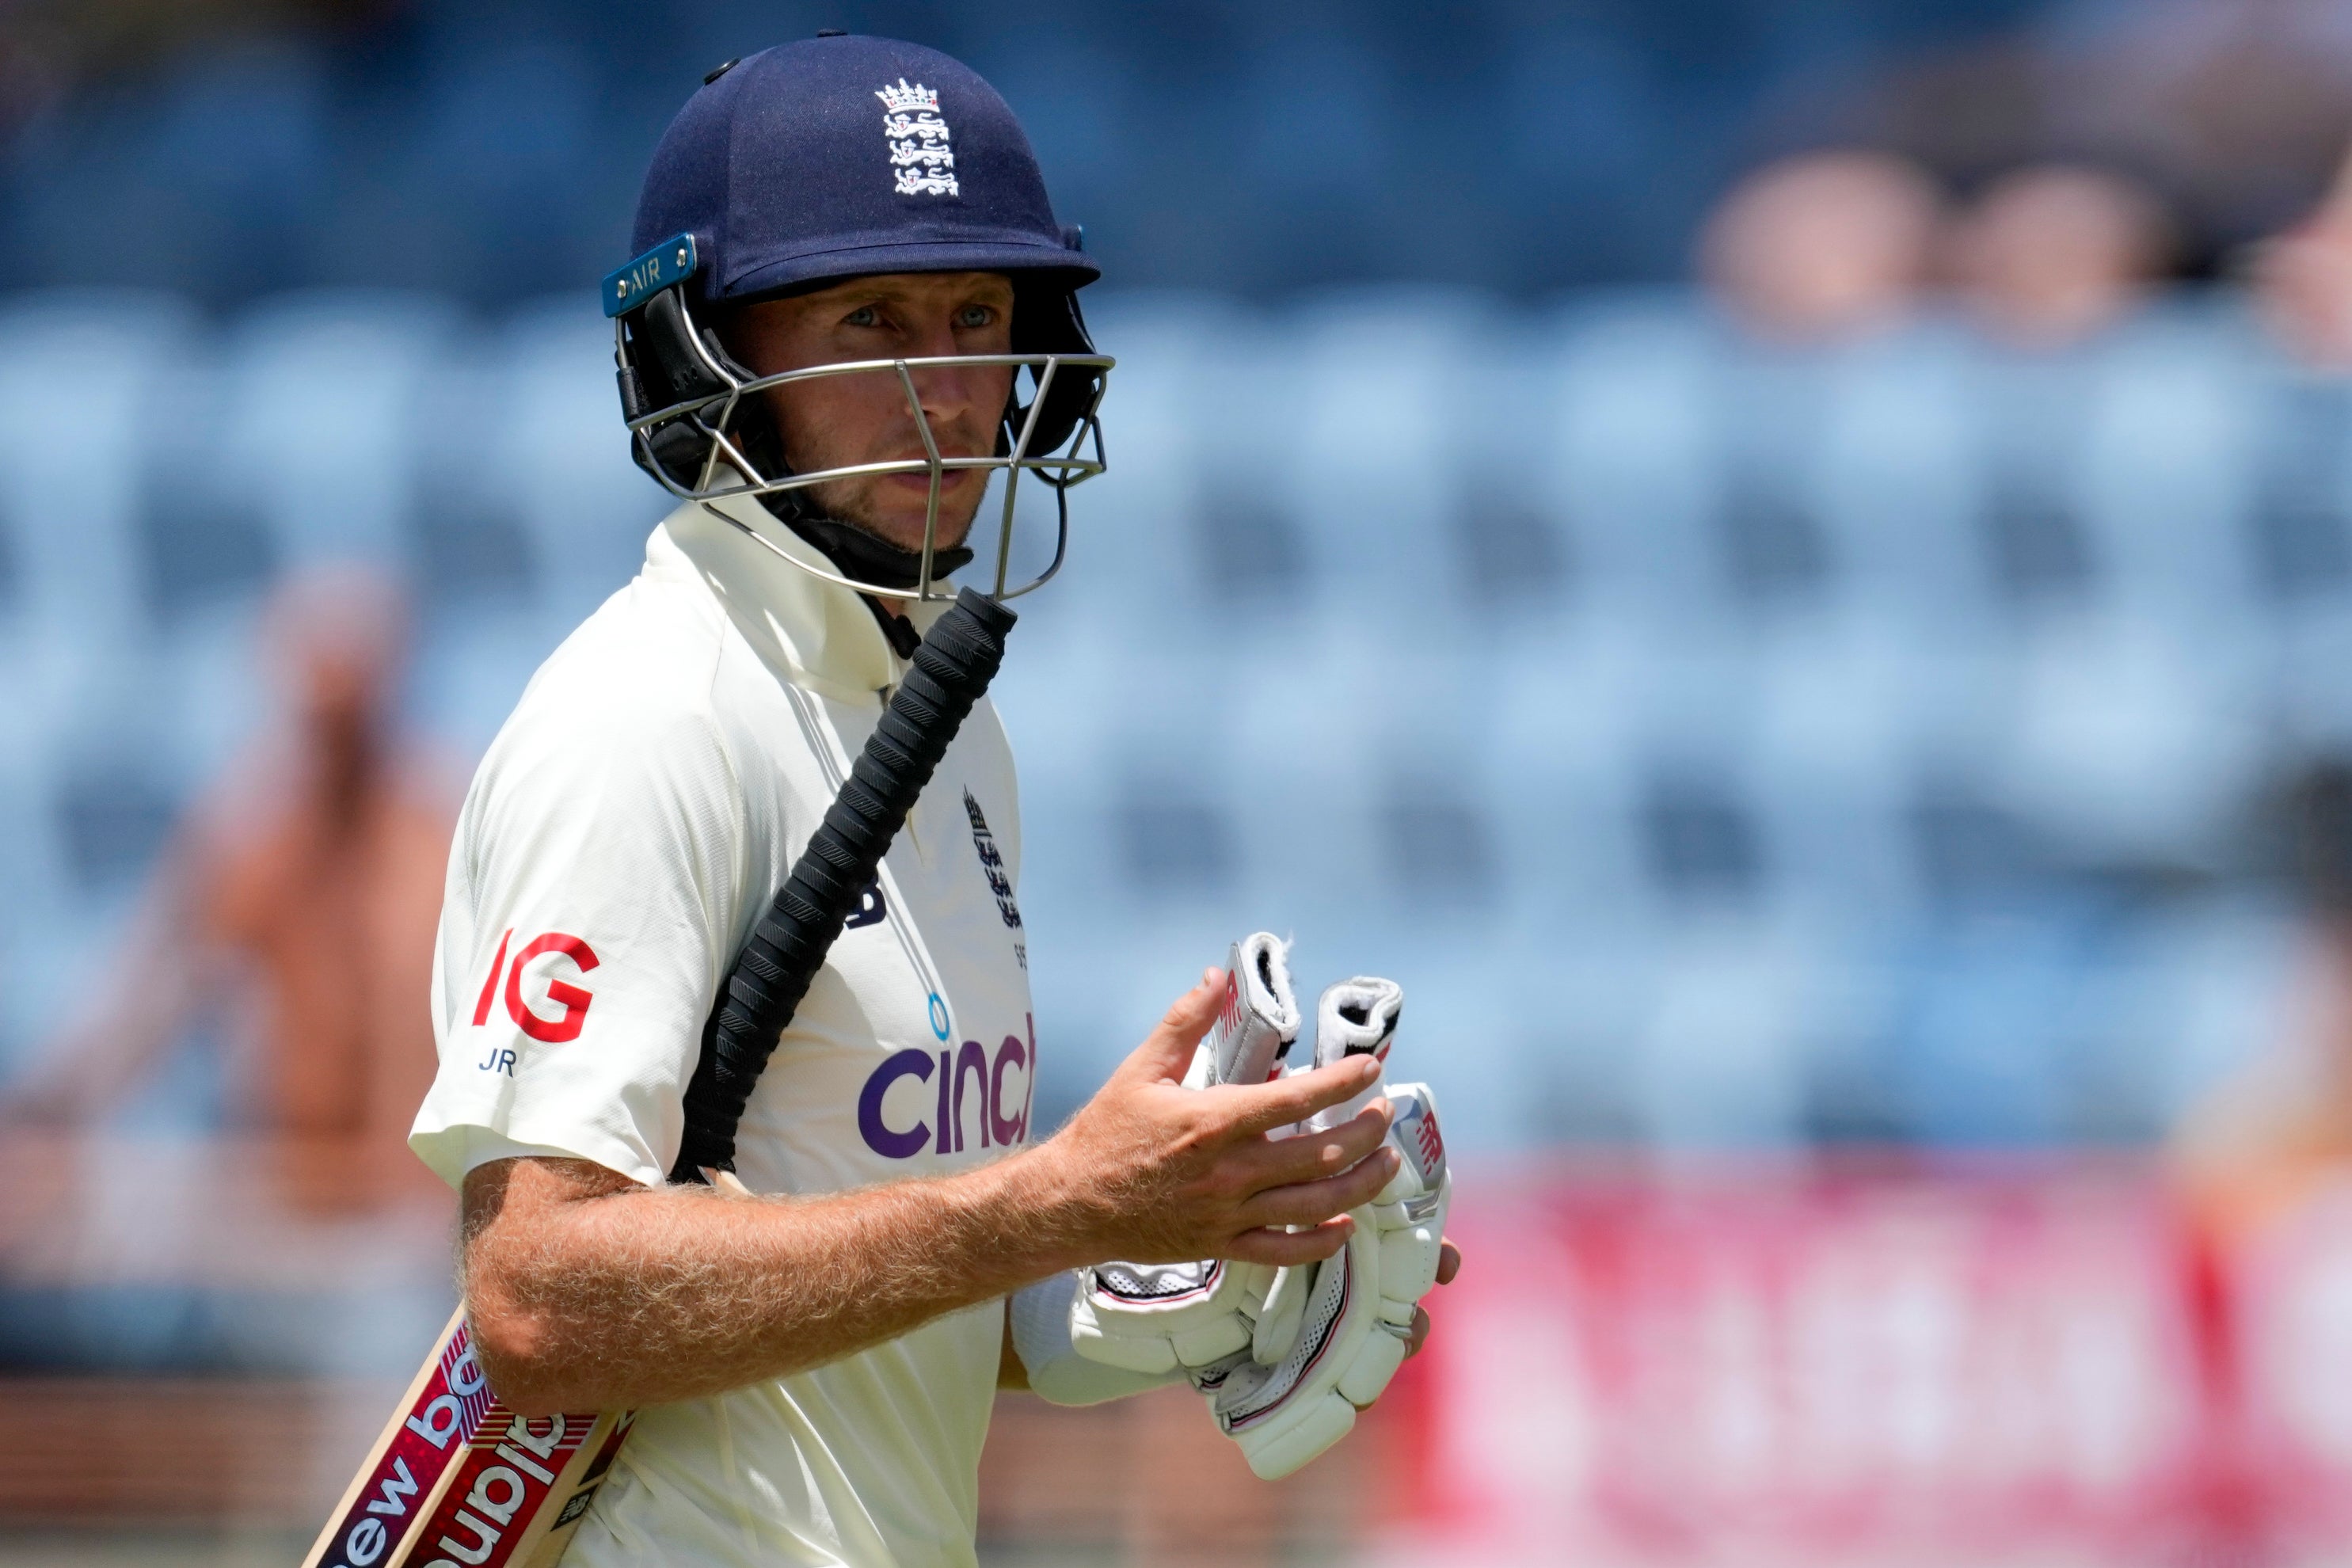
{"points": [[992, 862]]}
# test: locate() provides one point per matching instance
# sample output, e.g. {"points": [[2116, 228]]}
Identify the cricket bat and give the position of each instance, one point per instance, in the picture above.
{"points": [[457, 1478]]}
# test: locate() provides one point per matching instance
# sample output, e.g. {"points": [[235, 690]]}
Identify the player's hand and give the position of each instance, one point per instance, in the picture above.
{"points": [[1150, 1172], [1449, 1263]]}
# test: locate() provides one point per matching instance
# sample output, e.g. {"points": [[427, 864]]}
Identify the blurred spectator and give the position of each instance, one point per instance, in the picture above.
{"points": [[2237, 109], [2242, 107], [49, 47], [297, 903], [96, 36], [2303, 281], [1823, 248], [2048, 255], [2269, 1137]]}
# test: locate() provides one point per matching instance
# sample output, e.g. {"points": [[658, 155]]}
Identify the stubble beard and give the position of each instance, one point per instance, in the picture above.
{"points": [[851, 501], [855, 501]]}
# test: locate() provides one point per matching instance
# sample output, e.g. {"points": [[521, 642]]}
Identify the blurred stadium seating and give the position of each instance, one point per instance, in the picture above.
{"points": [[1705, 734], [1732, 750], [1726, 748], [1820, 802], [495, 150]]}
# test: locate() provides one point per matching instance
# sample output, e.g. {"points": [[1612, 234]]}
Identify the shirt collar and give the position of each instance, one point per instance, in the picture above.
{"points": [[816, 633]]}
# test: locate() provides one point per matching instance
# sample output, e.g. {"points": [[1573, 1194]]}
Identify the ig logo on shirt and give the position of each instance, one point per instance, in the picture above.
{"points": [[571, 999]]}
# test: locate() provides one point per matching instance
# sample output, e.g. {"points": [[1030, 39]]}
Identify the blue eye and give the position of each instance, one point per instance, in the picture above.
{"points": [[863, 316], [975, 316]]}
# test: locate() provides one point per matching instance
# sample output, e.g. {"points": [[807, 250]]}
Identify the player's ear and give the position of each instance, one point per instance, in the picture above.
{"points": [[731, 333], [1046, 320]]}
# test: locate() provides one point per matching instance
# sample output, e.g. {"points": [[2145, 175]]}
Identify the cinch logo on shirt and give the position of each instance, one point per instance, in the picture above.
{"points": [[1002, 1120], [561, 994]]}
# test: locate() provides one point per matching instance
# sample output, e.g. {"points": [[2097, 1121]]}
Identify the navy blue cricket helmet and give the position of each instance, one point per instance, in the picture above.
{"points": [[839, 157], [832, 158]]}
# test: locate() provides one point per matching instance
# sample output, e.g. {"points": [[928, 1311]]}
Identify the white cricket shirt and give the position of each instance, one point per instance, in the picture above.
{"points": [[629, 826]]}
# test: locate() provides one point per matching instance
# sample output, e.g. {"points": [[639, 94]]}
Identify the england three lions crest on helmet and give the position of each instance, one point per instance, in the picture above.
{"points": [[918, 140]]}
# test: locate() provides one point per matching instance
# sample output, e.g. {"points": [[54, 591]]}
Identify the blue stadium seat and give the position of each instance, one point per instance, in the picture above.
{"points": [[1892, 477], [1770, 550], [78, 393], [218, 689], [1060, 714], [93, 785], [1723, 1058], [2167, 470], [2132, 739], [468, 673], [329, 394], [2035, 547], [1991, 1018], [1851, 710], [32, 863], [1576, 721], [2299, 526], [2303, 665], [2206, 992], [1134, 550], [1373, 395], [1633, 466], [557, 456]]}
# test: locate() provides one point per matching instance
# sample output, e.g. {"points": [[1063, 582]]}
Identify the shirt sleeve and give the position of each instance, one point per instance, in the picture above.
{"points": [[590, 903]]}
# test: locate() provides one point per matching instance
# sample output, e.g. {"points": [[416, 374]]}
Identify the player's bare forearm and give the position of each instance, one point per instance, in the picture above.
{"points": [[587, 1290]]}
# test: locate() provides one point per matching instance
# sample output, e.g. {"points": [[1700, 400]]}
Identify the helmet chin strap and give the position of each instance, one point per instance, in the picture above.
{"points": [[858, 552]]}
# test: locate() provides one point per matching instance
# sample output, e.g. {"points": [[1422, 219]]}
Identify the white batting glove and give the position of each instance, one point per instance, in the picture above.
{"points": [[1353, 1018], [1259, 1022], [1331, 1336], [1409, 1212], [1159, 1318], [1039, 1317]]}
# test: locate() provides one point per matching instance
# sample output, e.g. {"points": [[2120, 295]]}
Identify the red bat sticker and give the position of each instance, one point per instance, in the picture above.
{"points": [[446, 1412], [509, 1468]]}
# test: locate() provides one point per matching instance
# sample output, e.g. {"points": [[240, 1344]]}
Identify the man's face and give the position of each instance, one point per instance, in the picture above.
{"points": [[835, 421]]}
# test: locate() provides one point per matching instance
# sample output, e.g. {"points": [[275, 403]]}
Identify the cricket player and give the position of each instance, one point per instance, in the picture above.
{"points": [[813, 1366]]}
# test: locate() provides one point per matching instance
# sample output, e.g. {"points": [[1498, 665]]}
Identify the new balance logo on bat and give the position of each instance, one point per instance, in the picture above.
{"points": [[511, 1465], [398, 1488], [452, 1404]]}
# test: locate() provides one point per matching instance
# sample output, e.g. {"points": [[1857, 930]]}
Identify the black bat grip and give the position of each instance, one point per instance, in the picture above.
{"points": [[952, 670]]}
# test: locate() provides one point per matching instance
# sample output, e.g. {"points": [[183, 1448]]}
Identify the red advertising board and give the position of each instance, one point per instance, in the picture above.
{"points": [[1858, 1364]]}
